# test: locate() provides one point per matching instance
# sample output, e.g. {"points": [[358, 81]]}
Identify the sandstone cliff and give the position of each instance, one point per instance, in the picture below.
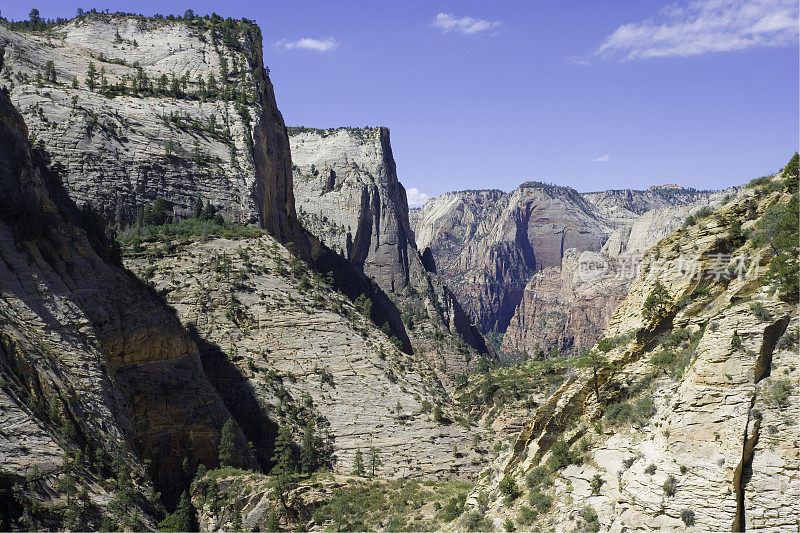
{"points": [[173, 111], [505, 255], [94, 367], [176, 109], [695, 408], [569, 307], [348, 195]]}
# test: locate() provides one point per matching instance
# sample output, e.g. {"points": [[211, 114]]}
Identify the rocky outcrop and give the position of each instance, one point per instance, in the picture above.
{"points": [[91, 361], [506, 255], [348, 195], [694, 413], [487, 244], [569, 307], [284, 348]]}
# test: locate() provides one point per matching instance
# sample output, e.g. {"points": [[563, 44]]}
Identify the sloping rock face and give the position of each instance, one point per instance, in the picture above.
{"points": [[506, 255], [697, 410], [176, 111], [91, 363], [348, 195], [284, 348]]}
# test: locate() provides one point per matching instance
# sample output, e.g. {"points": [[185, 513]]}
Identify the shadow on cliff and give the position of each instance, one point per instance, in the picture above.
{"points": [[239, 397]]}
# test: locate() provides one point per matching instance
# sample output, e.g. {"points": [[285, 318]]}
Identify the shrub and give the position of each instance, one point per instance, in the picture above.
{"points": [[669, 485], [453, 508], [540, 501], [527, 515], [736, 341], [760, 312], [476, 521], [508, 525], [508, 487], [537, 476], [778, 392], [591, 521], [560, 456], [687, 515], [596, 483], [788, 340], [651, 469], [703, 212], [636, 413]]}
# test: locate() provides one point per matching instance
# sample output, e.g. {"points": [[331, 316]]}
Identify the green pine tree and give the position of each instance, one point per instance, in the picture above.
{"points": [[374, 460], [656, 302], [197, 210], [358, 465], [91, 77], [309, 450], [227, 443], [283, 455], [182, 519]]}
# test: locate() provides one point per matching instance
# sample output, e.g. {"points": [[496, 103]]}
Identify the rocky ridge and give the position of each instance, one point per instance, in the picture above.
{"points": [[179, 110], [695, 412], [286, 348]]}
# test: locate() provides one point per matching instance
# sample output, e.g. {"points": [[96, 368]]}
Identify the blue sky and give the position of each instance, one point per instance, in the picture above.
{"points": [[594, 95]]}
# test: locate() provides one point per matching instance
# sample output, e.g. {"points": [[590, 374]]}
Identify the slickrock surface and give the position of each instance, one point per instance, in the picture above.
{"points": [[271, 327], [697, 426], [348, 195]]}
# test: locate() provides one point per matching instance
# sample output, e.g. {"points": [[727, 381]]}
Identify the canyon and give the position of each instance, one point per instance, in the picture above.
{"points": [[211, 320]]}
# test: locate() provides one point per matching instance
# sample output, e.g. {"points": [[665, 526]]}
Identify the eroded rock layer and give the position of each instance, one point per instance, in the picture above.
{"points": [[348, 195]]}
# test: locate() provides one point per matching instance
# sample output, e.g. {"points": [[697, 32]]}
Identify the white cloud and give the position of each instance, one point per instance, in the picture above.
{"points": [[447, 22], [308, 43], [601, 159], [702, 26], [416, 198]]}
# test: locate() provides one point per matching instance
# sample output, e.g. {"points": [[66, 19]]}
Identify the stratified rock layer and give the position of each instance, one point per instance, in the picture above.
{"points": [[89, 356], [348, 195], [278, 340]]}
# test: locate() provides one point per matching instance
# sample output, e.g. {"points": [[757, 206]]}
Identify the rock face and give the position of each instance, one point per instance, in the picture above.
{"points": [[696, 414], [90, 359], [179, 110], [348, 195], [347, 190], [285, 348], [506, 257], [487, 244], [176, 112]]}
